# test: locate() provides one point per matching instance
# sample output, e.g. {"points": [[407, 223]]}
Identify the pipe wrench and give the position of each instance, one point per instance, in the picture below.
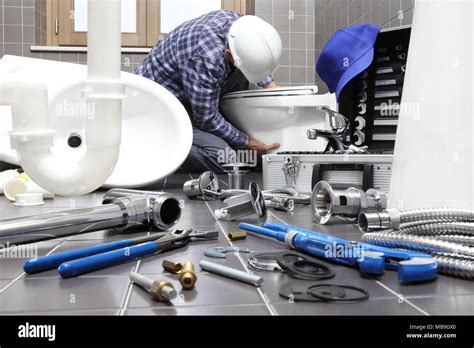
{"points": [[370, 259]]}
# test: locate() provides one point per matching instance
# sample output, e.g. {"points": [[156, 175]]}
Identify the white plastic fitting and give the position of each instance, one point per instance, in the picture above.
{"points": [[24, 185], [32, 137], [5, 177]]}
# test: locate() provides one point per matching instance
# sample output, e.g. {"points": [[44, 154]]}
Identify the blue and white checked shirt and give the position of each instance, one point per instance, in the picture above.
{"points": [[190, 62]]}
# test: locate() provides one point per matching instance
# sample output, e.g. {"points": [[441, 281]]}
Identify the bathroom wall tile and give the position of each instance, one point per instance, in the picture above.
{"points": [[310, 58], [298, 75], [281, 6], [28, 53], [285, 57], [407, 4], [12, 15], [310, 39], [285, 39], [298, 40], [16, 3], [28, 16], [12, 33], [263, 7], [50, 55], [31, 3], [69, 57], [282, 74], [298, 7], [281, 23], [298, 24], [267, 18], [297, 58], [28, 34], [13, 49]]}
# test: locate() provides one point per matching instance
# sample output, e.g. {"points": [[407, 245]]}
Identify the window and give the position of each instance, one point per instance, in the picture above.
{"points": [[143, 21]]}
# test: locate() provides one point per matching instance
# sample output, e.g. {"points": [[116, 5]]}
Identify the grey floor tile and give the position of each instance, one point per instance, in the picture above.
{"points": [[11, 265], [38, 295], [210, 290], [446, 305], [92, 312], [202, 310], [440, 287]]}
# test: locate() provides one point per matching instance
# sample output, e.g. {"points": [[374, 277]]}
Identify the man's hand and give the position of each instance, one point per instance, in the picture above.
{"points": [[261, 147], [271, 85]]}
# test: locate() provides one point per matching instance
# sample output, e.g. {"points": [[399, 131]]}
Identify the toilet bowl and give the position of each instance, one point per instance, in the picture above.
{"points": [[280, 115], [156, 130]]}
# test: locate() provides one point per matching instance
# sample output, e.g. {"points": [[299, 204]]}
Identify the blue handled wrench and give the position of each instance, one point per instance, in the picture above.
{"points": [[80, 261], [371, 259]]}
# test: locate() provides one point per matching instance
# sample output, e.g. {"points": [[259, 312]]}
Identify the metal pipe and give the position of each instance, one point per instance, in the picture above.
{"points": [[247, 204], [231, 273], [157, 212], [327, 203]]}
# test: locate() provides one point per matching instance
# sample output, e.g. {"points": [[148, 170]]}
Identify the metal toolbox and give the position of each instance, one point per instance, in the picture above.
{"points": [[304, 170]]}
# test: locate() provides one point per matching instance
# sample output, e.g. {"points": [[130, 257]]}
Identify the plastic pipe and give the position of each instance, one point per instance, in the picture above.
{"points": [[23, 184], [5, 177], [31, 135]]}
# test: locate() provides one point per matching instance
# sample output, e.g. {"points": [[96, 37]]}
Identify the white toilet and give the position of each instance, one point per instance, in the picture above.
{"points": [[281, 115]]}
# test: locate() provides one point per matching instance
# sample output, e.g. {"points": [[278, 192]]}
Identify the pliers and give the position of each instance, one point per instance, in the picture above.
{"points": [[85, 260]]}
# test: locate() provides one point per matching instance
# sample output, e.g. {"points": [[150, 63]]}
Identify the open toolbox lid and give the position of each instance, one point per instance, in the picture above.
{"points": [[371, 101]]}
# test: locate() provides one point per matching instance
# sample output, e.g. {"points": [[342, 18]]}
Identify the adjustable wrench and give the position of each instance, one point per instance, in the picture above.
{"points": [[411, 266]]}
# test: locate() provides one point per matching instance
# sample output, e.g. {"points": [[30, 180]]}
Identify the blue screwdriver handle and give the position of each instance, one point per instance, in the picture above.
{"points": [[100, 261], [46, 263]]}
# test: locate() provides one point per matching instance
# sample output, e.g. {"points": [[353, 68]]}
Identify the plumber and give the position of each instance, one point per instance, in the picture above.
{"points": [[206, 58]]}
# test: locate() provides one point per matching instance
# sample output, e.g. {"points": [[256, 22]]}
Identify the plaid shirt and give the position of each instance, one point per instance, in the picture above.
{"points": [[190, 62]]}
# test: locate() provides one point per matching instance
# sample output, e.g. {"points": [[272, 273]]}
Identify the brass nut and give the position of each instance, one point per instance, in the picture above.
{"points": [[163, 290], [187, 276], [172, 267], [238, 235]]}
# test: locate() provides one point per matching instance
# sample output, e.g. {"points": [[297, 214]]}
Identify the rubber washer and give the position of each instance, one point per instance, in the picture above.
{"points": [[289, 291], [332, 293], [292, 262]]}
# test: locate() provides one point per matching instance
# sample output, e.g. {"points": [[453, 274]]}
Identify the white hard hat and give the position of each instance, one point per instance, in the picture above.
{"points": [[255, 46]]}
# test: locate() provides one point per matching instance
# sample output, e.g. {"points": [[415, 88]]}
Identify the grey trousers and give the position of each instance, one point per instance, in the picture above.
{"points": [[206, 147]]}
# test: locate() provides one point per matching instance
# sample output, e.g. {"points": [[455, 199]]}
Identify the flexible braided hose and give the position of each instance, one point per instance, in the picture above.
{"points": [[457, 265], [437, 228], [419, 243], [454, 266], [436, 214]]}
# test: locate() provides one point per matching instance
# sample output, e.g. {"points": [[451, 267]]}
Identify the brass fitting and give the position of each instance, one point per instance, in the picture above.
{"points": [[163, 291], [172, 266], [238, 235], [187, 276]]}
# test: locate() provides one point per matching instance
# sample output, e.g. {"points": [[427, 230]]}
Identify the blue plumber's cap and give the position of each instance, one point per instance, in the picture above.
{"points": [[347, 53]]}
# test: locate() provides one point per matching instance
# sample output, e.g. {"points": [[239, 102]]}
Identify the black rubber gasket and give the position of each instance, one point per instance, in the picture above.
{"points": [[311, 290], [290, 292], [294, 263]]}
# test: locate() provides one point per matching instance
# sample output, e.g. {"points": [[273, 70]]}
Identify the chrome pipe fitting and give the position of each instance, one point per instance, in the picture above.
{"points": [[159, 212], [236, 175], [205, 188], [247, 204], [392, 218], [281, 204], [328, 203]]}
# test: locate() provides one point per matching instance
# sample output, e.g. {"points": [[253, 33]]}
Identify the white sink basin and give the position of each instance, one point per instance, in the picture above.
{"points": [[156, 130]]}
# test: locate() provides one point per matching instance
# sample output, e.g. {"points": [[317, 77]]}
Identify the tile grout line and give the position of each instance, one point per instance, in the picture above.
{"points": [[128, 293], [264, 297], [400, 296], [23, 273]]}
